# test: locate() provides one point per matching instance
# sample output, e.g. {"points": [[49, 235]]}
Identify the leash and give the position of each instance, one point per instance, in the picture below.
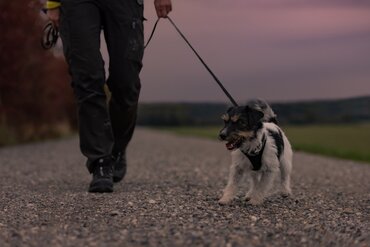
{"points": [[51, 34], [196, 53], [152, 33]]}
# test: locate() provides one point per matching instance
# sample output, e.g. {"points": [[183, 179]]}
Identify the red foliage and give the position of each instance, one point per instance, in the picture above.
{"points": [[34, 84]]}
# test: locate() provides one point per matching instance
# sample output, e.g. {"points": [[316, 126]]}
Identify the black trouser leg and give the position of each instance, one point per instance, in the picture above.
{"points": [[123, 30], [123, 125], [80, 29]]}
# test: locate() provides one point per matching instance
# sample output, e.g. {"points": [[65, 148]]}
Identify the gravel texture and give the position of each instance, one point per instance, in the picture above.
{"points": [[169, 198]]}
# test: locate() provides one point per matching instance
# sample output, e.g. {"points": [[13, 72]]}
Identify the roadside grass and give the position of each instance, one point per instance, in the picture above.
{"points": [[351, 141], [7, 136], [28, 133]]}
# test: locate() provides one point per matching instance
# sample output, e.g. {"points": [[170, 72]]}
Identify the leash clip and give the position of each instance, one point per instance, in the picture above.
{"points": [[50, 36]]}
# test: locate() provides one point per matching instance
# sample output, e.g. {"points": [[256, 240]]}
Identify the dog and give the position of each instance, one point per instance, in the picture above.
{"points": [[259, 150]]}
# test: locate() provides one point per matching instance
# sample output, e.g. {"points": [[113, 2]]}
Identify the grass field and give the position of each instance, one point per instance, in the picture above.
{"points": [[342, 141]]}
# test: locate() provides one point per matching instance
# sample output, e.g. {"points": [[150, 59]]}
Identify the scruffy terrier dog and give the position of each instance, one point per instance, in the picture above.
{"points": [[259, 150]]}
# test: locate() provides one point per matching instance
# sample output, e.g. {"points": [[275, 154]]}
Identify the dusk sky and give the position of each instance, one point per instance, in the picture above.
{"points": [[278, 50]]}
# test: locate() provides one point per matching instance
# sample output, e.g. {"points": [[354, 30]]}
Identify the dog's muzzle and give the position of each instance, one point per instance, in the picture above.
{"points": [[234, 142]]}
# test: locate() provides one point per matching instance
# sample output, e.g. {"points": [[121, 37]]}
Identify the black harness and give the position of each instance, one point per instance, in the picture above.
{"points": [[256, 157]]}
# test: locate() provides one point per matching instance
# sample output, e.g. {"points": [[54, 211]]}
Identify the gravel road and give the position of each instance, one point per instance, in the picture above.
{"points": [[169, 198]]}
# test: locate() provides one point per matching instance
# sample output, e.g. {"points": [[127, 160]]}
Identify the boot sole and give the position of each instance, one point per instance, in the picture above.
{"points": [[102, 186], [117, 179], [118, 175]]}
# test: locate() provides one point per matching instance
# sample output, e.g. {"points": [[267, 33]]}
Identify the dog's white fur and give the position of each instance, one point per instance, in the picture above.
{"points": [[262, 180]]}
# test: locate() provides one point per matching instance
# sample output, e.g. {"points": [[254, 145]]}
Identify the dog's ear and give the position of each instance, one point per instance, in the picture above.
{"points": [[254, 116]]}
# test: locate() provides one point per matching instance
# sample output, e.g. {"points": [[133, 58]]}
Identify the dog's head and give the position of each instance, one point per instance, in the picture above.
{"points": [[241, 123]]}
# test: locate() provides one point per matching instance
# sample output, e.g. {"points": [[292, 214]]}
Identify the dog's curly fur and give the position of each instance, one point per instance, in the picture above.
{"points": [[249, 131]]}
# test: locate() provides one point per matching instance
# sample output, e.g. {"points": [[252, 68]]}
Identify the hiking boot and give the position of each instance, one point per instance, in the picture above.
{"points": [[102, 176], [119, 166]]}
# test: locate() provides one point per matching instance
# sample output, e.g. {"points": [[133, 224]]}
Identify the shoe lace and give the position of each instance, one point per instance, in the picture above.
{"points": [[117, 157], [103, 169]]}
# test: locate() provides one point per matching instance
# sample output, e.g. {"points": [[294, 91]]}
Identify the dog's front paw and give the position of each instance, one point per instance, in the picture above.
{"points": [[225, 200], [286, 193], [256, 201], [247, 198]]}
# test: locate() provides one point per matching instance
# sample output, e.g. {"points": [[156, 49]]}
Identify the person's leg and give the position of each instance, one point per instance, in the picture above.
{"points": [[80, 30], [123, 29], [123, 123]]}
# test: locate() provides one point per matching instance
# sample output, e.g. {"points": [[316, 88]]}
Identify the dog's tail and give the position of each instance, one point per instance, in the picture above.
{"points": [[261, 105]]}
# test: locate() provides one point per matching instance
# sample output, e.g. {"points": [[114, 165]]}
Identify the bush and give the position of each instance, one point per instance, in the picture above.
{"points": [[34, 88]]}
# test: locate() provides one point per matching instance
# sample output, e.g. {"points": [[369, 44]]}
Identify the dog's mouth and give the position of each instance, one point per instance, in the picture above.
{"points": [[234, 143]]}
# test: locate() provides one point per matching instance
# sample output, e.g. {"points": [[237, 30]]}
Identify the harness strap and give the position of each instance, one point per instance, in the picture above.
{"points": [[256, 158]]}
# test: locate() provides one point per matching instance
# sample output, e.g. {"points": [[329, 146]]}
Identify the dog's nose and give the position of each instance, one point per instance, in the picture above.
{"points": [[222, 136]]}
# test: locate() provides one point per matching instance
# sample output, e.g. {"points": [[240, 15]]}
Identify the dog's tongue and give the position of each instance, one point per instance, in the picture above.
{"points": [[230, 146]]}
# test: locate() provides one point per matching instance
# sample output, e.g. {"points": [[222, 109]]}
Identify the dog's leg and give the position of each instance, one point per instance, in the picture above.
{"points": [[253, 180], [264, 185], [285, 170], [236, 174]]}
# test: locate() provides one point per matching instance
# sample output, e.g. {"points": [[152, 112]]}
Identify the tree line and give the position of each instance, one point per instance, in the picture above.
{"points": [[352, 110]]}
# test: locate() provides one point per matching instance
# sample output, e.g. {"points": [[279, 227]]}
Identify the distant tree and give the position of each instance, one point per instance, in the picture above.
{"points": [[34, 84]]}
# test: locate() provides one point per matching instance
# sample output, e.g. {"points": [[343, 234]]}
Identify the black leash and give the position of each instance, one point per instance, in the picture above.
{"points": [[196, 53], [50, 36], [152, 33]]}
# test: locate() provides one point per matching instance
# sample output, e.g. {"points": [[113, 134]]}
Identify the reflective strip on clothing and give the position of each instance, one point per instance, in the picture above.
{"points": [[52, 4]]}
